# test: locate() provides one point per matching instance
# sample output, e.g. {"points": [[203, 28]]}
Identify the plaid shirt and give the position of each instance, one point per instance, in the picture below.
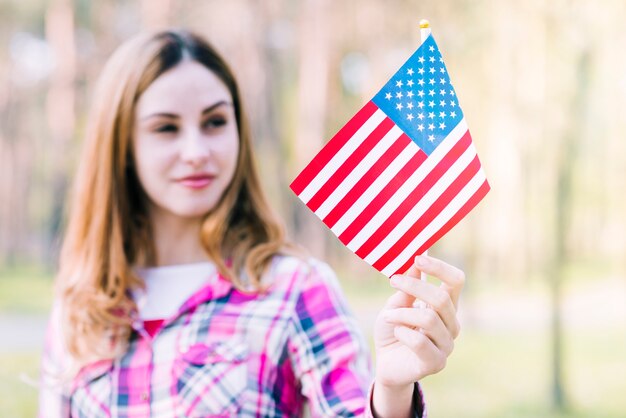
{"points": [[229, 353]]}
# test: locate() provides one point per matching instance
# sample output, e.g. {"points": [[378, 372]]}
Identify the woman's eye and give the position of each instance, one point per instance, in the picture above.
{"points": [[167, 128], [215, 122]]}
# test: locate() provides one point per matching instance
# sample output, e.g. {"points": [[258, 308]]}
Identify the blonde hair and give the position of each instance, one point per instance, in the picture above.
{"points": [[108, 229]]}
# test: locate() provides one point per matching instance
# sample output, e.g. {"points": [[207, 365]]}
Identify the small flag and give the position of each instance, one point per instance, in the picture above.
{"points": [[402, 172]]}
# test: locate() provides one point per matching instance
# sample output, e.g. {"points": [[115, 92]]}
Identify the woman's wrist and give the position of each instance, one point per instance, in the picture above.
{"points": [[392, 401]]}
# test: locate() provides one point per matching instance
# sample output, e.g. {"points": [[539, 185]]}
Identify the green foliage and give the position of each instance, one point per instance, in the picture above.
{"points": [[25, 289]]}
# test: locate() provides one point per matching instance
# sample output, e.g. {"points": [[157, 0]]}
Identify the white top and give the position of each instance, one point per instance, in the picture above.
{"points": [[168, 287]]}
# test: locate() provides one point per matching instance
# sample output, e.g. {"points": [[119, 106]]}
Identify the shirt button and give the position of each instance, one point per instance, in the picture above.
{"points": [[144, 396]]}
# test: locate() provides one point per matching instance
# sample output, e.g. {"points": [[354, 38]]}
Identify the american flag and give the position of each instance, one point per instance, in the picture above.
{"points": [[402, 172]]}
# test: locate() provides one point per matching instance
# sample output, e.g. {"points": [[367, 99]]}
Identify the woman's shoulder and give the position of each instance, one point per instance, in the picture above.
{"points": [[301, 273]]}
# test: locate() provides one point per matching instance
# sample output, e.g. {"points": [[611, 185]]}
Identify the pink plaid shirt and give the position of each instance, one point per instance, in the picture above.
{"points": [[229, 353]]}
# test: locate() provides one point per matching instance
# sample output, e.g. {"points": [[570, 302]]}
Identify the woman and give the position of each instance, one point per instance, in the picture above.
{"points": [[177, 294]]}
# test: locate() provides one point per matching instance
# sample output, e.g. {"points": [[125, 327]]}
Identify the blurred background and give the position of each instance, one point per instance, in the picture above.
{"points": [[542, 85]]}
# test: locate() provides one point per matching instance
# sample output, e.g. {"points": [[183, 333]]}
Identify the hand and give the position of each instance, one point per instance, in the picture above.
{"points": [[414, 342]]}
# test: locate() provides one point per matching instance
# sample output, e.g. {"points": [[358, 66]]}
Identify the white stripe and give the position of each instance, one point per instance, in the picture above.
{"points": [[340, 157], [453, 207], [374, 189], [422, 206], [365, 164], [409, 185]]}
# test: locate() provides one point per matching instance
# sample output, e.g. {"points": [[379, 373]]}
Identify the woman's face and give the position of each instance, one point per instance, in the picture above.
{"points": [[185, 140]]}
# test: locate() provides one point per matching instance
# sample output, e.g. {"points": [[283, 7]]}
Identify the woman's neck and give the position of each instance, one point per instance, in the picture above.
{"points": [[176, 239]]}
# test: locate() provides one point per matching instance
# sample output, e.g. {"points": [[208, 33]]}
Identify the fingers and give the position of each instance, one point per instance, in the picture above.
{"points": [[438, 298], [451, 277], [426, 320], [420, 343]]}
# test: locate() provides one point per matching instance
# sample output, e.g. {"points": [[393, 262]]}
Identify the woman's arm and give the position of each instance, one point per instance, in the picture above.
{"points": [[414, 342], [53, 401]]}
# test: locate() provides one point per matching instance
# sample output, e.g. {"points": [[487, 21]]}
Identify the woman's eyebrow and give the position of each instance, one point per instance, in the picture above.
{"points": [[204, 112], [216, 105]]}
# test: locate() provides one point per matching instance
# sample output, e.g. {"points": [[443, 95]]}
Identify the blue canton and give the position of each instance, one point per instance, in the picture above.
{"points": [[420, 99]]}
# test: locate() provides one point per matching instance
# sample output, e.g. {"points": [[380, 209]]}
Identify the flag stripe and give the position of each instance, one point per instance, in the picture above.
{"points": [[332, 147], [458, 203], [399, 190], [387, 176], [467, 207], [368, 148], [434, 208], [342, 155], [420, 197], [383, 196], [376, 171]]}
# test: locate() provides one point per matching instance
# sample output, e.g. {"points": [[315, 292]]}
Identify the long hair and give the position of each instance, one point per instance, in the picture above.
{"points": [[108, 229]]}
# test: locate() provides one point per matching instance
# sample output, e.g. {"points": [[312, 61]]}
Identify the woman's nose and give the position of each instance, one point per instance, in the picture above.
{"points": [[195, 150]]}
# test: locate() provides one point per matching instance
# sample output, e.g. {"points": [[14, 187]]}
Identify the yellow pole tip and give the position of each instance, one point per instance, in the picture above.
{"points": [[424, 24]]}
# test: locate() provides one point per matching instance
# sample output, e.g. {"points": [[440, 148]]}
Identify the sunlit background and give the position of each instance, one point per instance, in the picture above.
{"points": [[542, 84]]}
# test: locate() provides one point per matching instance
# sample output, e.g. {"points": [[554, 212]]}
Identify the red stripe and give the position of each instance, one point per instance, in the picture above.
{"points": [[415, 196], [382, 197], [433, 210], [368, 178], [332, 147], [351, 162], [467, 207]]}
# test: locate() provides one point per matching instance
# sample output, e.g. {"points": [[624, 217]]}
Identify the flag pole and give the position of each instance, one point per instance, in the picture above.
{"points": [[424, 34]]}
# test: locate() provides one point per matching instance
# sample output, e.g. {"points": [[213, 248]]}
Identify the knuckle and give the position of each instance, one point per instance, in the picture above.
{"points": [[430, 318], [441, 299], [460, 277]]}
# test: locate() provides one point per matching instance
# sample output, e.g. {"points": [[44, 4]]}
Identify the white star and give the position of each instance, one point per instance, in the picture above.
{"points": [[431, 103], [431, 92], [453, 114], [431, 70], [410, 94], [409, 83], [452, 103], [442, 92], [420, 82], [431, 81], [388, 96], [431, 138], [432, 59], [399, 83], [420, 116], [421, 60], [409, 71], [440, 59], [442, 70], [442, 81], [442, 114], [420, 127], [399, 106], [410, 105], [431, 115], [420, 71], [442, 103], [420, 104], [409, 117], [431, 126], [420, 93], [451, 92], [399, 95], [431, 48], [442, 125]]}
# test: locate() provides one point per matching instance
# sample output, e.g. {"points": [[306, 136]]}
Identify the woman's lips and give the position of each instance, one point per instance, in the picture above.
{"points": [[196, 182]]}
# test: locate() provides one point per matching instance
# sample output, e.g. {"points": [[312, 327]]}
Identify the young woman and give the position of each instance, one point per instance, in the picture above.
{"points": [[177, 294]]}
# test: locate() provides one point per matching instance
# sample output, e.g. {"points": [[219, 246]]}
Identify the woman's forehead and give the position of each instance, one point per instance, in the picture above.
{"points": [[187, 87]]}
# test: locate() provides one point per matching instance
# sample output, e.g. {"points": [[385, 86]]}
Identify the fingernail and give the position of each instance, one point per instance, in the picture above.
{"points": [[421, 260], [395, 281]]}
